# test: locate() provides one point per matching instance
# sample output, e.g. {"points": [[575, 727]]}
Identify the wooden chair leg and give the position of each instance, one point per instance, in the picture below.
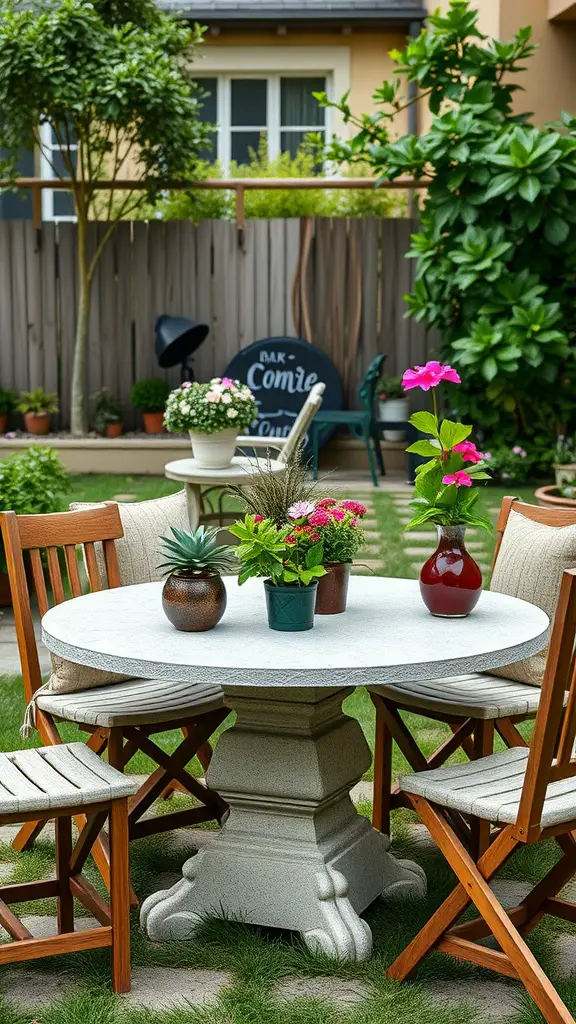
{"points": [[120, 896], [28, 835], [382, 770], [63, 827]]}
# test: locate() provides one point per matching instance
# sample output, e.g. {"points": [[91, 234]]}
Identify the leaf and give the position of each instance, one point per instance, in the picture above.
{"points": [[425, 421], [425, 448], [314, 556], [453, 433], [501, 183], [529, 188], [556, 229], [489, 368]]}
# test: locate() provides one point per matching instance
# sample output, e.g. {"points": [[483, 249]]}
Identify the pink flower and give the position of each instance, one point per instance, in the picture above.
{"points": [[291, 540], [468, 451], [186, 384], [356, 507], [227, 382], [487, 456], [258, 519], [460, 478], [429, 376], [300, 509], [326, 503], [517, 450], [319, 517], [338, 514], [314, 537], [10, 434]]}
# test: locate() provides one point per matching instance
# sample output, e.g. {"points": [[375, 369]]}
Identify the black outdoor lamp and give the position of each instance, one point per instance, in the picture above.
{"points": [[176, 339]]}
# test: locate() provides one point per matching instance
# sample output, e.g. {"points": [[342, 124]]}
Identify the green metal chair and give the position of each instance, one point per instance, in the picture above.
{"points": [[361, 423]]}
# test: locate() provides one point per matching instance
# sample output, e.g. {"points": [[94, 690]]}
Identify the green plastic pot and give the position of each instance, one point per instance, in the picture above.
{"points": [[290, 609]]}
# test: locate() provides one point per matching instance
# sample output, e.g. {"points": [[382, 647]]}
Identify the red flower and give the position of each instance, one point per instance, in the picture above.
{"points": [[326, 503], [314, 537], [468, 451], [460, 479], [356, 507], [320, 517], [338, 514], [258, 519], [291, 540], [429, 376]]}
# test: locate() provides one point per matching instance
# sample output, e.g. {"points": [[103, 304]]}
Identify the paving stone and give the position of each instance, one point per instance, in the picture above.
{"points": [[160, 988], [342, 991], [6, 871], [565, 957], [25, 987], [510, 891], [44, 925], [493, 1000], [362, 792]]}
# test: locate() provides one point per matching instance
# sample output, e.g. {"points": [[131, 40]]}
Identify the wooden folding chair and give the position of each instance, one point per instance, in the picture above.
{"points": [[475, 707], [123, 717], [529, 794]]}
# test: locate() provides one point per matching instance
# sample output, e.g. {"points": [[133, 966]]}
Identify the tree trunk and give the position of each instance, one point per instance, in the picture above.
{"points": [[79, 403]]}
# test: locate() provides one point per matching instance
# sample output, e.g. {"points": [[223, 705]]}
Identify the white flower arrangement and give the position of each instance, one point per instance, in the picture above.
{"points": [[208, 408]]}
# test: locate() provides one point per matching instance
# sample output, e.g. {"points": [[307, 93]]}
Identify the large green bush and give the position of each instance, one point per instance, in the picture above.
{"points": [[496, 250], [30, 483]]}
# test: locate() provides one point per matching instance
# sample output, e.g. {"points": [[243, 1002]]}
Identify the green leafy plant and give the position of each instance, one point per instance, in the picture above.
{"points": [[106, 410], [113, 87], [390, 387], [150, 395], [287, 558], [32, 482], [8, 400], [517, 464], [197, 554], [496, 262], [37, 402]]}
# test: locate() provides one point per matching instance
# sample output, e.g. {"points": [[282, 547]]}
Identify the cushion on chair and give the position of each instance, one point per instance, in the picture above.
{"points": [[143, 522], [490, 788], [530, 564]]}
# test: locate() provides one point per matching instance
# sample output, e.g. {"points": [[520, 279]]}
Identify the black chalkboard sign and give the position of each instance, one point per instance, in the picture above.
{"points": [[281, 372]]}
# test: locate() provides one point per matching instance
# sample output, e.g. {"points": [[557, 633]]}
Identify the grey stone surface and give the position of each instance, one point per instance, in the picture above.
{"points": [[26, 987], [362, 792], [510, 891], [6, 871], [341, 991], [9, 655], [493, 1000], [42, 926], [565, 958], [160, 988]]}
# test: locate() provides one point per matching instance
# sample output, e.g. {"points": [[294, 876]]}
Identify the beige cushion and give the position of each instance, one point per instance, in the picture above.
{"points": [[530, 564], [143, 522]]}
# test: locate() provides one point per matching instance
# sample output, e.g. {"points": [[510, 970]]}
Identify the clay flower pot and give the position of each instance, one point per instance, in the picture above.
{"points": [[37, 423], [290, 609], [450, 581], [194, 603], [114, 429], [333, 589], [153, 422]]}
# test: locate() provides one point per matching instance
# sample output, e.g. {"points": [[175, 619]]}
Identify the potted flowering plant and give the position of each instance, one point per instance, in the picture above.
{"points": [[213, 414], [289, 558], [150, 396], [37, 407], [450, 581], [392, 406], [339, 530]]}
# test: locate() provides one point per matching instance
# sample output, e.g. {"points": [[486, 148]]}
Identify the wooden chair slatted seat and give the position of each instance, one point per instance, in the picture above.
{"points": [[530, 794], [121, 718], [475, 707]]}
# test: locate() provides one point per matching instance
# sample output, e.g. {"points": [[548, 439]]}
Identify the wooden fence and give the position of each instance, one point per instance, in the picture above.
{"points": [[338, 283]]}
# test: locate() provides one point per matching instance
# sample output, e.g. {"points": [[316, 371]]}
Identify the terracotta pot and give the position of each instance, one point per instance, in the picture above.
{"points": [[114, 429], [37, 423], [290, 609], [3, 422], [450, 581], [5, 592], [548, 497], [194, 603], [333, 589], [153, 422]]}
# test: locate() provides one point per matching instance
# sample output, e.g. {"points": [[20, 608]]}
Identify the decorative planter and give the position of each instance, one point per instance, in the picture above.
{"points": [[564, 473], [153, 422], [214, 451], [548, 497], [333, 589], [392, 410], [290, 609], [37, 423], [114, 429], [450, 581], [193, 603]]}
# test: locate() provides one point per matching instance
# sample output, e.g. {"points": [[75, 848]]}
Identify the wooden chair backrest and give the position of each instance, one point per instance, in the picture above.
{"points": [[51, 534], [546, 516], [303, 420]]}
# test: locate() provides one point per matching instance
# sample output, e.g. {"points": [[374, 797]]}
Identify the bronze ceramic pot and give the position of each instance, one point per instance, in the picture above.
{"points": [[333, 589], [194, 603]]}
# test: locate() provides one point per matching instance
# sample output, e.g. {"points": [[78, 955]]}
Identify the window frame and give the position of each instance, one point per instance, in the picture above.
{"points": [[47, 171]]}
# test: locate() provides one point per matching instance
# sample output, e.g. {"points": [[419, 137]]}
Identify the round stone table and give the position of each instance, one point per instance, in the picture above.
{"points": [[195, 477], [294, 853]]}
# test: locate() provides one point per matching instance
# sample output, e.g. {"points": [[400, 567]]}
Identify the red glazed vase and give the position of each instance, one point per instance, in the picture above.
{"points": [[450, 581]]}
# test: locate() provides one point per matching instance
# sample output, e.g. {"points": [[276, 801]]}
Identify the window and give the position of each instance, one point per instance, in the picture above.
{"points": [[57, 204], [278, 108]]}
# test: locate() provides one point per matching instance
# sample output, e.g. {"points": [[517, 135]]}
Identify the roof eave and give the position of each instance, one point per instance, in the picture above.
{"points": [[246, 17]]}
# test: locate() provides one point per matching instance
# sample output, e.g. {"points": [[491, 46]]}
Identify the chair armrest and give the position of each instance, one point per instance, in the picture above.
{"points": [[249, 441]]}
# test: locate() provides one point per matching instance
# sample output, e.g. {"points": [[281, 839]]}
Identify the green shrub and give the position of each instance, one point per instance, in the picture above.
{"points": [[520, 463], [37, 402], [150, 395], [106, 410], [32, 482], [8, 400]]}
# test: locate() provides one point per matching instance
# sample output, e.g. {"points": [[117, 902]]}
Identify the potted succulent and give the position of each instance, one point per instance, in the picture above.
{"points": [[450, 581], [289, 558], [150, 397], [565, 460], [392, 406], [107, 418], [37, 407], [213, 414], [337, 525], [194, 595], [8, 402]]}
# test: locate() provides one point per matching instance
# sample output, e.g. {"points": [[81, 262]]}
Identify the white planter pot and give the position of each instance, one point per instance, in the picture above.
{"points": [[564, 473], [214, 451], [393, 409]]}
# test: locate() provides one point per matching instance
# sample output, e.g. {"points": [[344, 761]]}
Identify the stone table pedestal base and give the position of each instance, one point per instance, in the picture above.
{"points": [[294, 852]]}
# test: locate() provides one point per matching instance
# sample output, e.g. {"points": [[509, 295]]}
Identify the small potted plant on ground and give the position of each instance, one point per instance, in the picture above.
{"points": [[392, 406], [150, 397], [37, 407], [194, 595], [450, 581], [8, 402], [107, 418], [213, 414], [289, 560]]}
